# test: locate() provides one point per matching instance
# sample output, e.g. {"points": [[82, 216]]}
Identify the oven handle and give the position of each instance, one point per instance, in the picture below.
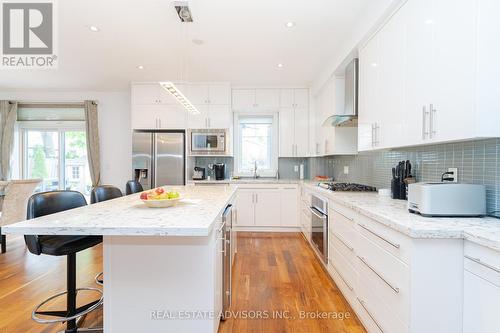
{"points": [[317, 213]]}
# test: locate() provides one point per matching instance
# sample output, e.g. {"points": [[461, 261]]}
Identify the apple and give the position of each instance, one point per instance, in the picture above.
{"points": [[159, 190], [144, 196]]}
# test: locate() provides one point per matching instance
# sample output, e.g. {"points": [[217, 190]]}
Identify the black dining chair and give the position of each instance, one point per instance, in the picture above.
{"points": [[99, 194], [41, 204], [133, 186]]}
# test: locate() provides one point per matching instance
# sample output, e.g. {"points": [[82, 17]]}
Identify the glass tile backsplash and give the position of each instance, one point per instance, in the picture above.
{"points": [[478, 162]]}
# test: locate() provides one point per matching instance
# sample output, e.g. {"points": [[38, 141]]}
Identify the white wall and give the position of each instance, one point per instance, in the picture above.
{"points": [[114, 127]]}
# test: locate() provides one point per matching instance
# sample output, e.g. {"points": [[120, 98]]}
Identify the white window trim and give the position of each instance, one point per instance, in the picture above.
{"points": [[56, 126], [274, 146]]}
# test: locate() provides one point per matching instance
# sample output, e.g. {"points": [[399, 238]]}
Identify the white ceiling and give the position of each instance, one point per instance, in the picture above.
{"points": [[244, 40]]}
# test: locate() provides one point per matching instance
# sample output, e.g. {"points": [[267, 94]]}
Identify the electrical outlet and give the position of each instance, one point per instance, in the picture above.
{"points": [[346, 170], [453, 174], [296, 168]]}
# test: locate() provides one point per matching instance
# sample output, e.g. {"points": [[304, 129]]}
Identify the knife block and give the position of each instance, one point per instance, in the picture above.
{"points": [[398, 189]]}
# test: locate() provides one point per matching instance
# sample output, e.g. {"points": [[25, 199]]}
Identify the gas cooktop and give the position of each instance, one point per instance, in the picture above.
{"points": [[347, 187]]}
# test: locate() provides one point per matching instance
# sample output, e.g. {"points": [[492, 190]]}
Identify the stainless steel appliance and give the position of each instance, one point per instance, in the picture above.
{"points": [[319, 223], [219, 171], [227, 226], [208, 142], [158, 158], [199, 173], [349, 116], [447, 199]]}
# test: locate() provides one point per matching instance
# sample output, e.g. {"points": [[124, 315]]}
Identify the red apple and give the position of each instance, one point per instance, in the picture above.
{"points": [[144, 196], [159, 190]]}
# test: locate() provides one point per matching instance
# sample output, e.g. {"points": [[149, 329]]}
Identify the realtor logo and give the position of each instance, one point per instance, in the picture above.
{"points": [[28, 31]]}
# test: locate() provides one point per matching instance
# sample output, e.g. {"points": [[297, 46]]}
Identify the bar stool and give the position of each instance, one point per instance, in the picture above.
{"points": [[133, 186], [46, 203], [99, 194]]}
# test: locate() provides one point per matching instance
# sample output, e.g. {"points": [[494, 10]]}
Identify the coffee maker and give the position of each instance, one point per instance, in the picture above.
{"points": [[219, 171]]}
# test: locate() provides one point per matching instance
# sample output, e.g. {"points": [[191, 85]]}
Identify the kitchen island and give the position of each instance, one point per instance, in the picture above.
{"points": [[162, 266]]}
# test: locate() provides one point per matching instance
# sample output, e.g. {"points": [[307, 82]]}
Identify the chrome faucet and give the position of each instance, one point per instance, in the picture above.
{"points": [[255, 175]]}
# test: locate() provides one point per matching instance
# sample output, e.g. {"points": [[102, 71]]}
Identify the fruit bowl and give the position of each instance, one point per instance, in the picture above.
{"points": [[161, 203], [159, 198]]}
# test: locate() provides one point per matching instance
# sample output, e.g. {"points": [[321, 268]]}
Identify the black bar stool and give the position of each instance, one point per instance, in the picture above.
{"points": [[99, 194], [133, 186], [46, 203], [104, 192]]}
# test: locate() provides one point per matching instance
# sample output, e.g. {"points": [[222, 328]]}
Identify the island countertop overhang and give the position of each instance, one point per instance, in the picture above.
{"points": [[195, 215]]}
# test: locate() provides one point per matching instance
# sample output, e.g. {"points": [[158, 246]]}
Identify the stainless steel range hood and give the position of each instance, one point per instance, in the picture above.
{"points": [[349, 116]]}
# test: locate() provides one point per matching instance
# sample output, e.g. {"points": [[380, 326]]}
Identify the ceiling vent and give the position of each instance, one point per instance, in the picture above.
{"points": [[183, 11]]}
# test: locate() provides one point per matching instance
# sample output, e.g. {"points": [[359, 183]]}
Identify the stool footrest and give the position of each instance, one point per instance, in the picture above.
{"points": [[83, 310]]}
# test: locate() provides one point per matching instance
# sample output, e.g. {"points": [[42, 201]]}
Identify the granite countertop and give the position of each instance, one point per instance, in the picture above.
{"points": [[194, 215], [394, 214]]}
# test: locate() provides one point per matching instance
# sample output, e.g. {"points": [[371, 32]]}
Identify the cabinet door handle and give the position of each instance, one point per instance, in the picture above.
{"points": [[432, 112], [397, 246], [364, 307], [395, 289], [341, 277], [159, 121], [373, 135], [209, 123], [478, 261], [256, 198], [347, 217], [343, 242], [424, 123]]}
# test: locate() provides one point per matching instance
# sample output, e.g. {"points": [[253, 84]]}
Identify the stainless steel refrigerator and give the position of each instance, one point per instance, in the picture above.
{"points": [[159, 158]]}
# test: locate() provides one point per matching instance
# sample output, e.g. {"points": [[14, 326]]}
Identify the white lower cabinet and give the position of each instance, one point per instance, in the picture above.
{"points": [[481, 289], [268, 207], [393, 282]]}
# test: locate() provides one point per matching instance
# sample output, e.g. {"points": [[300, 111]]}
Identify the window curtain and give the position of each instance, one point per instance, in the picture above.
{"points": [[8, 117], [92, 130]]}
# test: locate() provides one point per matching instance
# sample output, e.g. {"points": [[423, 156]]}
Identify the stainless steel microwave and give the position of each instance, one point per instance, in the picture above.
{"points": [[208, 141]]}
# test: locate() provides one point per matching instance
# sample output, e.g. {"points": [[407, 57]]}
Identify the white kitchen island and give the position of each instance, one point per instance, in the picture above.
{"points": [[162, 266]]}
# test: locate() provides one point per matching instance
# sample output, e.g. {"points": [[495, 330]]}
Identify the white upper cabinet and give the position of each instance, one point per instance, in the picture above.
{"points": [[155, 108], [294, 123], [218, 93], [152, 93], [433, 80], [255, 100]]}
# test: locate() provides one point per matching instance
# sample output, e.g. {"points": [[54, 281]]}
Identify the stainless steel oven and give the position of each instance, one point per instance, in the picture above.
{"points": [[208, 141], [319, 223]]}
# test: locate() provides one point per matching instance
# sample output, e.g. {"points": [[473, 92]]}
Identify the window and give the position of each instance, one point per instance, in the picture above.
{"points": [[256, 144], [54, 150], [75, 172]]}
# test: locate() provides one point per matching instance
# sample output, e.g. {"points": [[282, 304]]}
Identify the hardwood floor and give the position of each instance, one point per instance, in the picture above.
{"points": [[273, 272], [26, 280], [279, 272]]}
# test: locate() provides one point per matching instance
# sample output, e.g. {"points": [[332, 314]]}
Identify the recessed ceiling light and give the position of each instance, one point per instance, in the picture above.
{"points": [[290, 24], [140, 67], [93, 28], [280, 65]]}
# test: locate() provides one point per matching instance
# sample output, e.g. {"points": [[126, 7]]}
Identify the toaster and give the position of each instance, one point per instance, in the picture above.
{"points": [[447, 199]]}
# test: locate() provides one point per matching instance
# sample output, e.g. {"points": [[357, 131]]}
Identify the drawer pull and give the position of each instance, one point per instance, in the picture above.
{"points": [[347, 217], [396, 290], [478, 261], [364, 307], [341, 277], [397, 246], [343, 242]]}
